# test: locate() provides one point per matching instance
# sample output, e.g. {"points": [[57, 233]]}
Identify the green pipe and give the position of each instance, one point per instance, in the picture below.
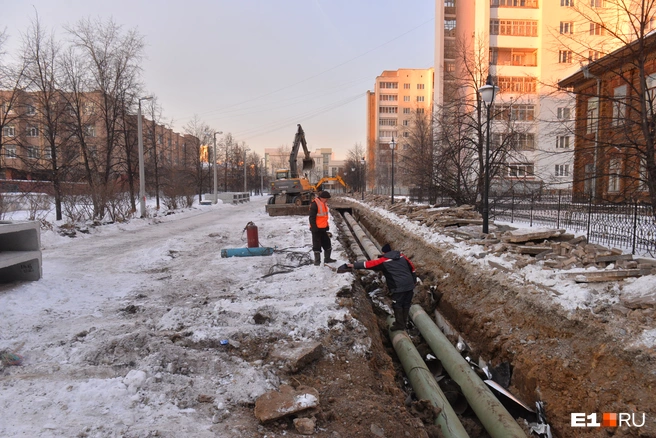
{"points": [[424, 384], [494, 417]]}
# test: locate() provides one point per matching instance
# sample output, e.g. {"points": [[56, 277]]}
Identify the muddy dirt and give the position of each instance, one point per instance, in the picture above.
{"points": [[576, 361]]}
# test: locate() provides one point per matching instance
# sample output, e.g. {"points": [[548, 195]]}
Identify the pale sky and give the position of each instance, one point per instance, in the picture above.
{"points": [[258, 68]]}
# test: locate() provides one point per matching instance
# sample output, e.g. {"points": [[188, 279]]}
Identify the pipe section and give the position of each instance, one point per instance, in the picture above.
{"points": [[369, 248], [424, 384], [494, 417]]}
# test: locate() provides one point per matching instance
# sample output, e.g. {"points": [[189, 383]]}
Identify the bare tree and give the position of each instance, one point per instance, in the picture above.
{"points": [[45, 105], [200, 134], [112, 60]]}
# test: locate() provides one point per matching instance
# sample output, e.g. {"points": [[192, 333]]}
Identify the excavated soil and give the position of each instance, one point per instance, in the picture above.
{"points": [[572, 361]]}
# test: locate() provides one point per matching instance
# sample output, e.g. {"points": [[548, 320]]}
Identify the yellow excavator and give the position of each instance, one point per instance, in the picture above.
{"points": [[317, 186], [292, 193]]}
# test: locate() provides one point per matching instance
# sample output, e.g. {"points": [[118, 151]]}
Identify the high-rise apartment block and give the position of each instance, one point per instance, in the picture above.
{"points": [[397, 98], [525, 46]]}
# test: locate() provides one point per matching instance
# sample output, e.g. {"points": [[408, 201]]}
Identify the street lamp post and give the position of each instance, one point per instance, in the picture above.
{"points": [[487, 92], [214, 168], [245, 188], [392, 146], [142, 171], [262, 176], [363, 185]]}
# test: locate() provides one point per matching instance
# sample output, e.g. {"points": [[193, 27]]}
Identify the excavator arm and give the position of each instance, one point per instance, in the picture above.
{"points": [[337, 178], [308, 162]]}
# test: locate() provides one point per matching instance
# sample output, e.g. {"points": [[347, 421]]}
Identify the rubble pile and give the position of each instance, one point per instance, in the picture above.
{"points": [[555, 248]]}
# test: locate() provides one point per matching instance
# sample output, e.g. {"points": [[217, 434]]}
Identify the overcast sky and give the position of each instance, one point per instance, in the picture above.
{"points": [[257, 68]]}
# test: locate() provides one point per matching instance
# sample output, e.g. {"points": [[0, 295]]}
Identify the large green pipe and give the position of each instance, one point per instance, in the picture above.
{"points": [[494, 417], [424, 384]]}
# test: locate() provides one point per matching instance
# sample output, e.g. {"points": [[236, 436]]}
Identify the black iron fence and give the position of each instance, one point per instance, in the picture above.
{"points": [[627, 226]]}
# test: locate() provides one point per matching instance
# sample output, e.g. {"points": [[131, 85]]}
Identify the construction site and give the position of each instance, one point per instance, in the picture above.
{"points": [[520, 332]]}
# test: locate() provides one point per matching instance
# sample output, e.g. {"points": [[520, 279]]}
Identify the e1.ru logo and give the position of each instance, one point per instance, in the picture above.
{"points": [[580, 419]]}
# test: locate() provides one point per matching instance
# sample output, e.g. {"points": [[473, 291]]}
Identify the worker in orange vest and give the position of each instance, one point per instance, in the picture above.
{"points": [[319, 228]]}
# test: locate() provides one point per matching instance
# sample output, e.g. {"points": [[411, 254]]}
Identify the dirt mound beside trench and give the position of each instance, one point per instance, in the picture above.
{"points": [[576, 361]]}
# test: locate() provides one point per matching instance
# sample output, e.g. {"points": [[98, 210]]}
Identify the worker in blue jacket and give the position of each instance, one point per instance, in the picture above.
{"points": [[401, 278]]}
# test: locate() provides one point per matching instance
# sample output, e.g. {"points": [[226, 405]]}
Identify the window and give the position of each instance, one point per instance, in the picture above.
{"points": [[520, 112], [406, 98], [567, 3], [514, 3], [514, 27], [387, 122], [562, 142], [596, 29], [614, 168], [619, 105], [389, 85], [520, 170], [32, 131], [525, 141], [160, 138], [10, 151], [388, 109], [89, 108], [596, 3], [517, 84], [651, 93], [406, 122], [593, 55], [30, 110], [406, 111], [562, 170], [563, 113], [406, 134], [449, 27], [565, 56], [384, 133], [6, 108], [592, 117], [9, 131], [47, 153], [406, 86], [642, 185], [420, 110], [420, 86], [389, 97], [420, 98], [32, 152], [566, 27], [90, 131]]}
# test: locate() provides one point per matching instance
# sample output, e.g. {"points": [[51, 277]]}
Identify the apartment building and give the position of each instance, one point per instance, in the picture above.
{"points": [[611, 152], [526, 46], [397, 98], [79, 135]]}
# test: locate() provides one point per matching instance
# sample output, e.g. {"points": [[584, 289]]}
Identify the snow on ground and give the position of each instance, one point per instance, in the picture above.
{"points": [[166, 267]]}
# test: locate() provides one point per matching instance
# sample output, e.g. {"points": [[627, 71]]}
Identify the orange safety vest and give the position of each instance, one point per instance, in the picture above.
{"points": [[322, 213]]}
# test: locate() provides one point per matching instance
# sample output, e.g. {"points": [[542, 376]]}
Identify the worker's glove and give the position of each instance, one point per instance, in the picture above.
{"points": [[418, 281], [330, 235], [343, 268]]}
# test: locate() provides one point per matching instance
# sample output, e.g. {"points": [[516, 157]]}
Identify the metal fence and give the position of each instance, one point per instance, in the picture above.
{"points": [[628, 226]]}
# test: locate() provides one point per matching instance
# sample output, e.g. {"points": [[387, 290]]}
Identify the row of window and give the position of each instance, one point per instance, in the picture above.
{"points": [[394, 97], [395, 86], [567, 28], [33, 152], [88, 109], [9, 131], [534, 3], [395, 110], [514, 27]]}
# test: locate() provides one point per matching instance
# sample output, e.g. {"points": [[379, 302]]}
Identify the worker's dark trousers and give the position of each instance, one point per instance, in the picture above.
{"points": [[320, 240], [402, 300]]}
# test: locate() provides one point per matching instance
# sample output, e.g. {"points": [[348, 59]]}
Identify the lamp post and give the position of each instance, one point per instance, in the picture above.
{"points": [[487, 92], [214, 167], [392, 145], [142, 171], [262, 176], [363, 185], [245, 188]]}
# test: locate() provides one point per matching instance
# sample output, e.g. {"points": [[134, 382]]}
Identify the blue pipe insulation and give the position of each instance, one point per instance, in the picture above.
{"points": [[246, 252]]}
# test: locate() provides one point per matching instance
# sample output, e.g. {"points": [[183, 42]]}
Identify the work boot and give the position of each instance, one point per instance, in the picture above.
{"points": [[317, 258], [327, 258], [399, 322], [406, 318]]}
